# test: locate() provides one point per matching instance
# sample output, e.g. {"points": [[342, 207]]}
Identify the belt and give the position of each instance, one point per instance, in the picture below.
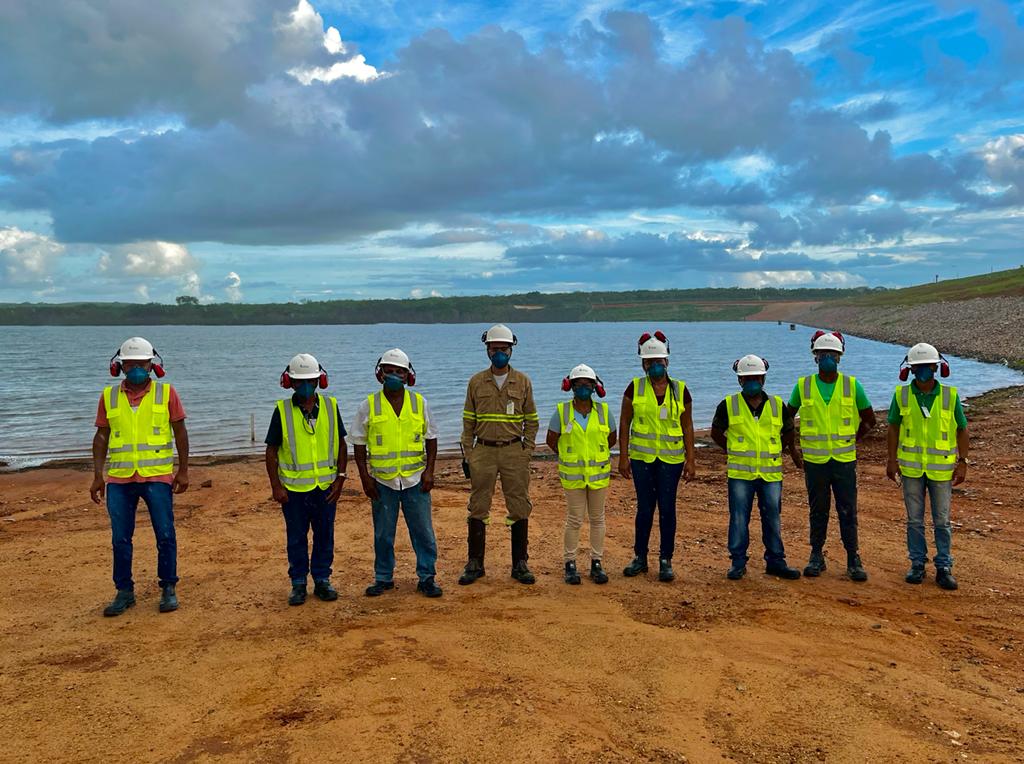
{"points": [[498, 443]]}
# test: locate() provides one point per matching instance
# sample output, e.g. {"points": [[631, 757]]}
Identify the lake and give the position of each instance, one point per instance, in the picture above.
{"points": [[228, 374]]}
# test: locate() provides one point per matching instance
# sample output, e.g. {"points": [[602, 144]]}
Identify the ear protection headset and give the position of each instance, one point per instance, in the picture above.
{"points": [[905, 367], [736, 365], [286, 378], [567, 385], [410, 380], [116, 367], [658, 335], [822, 333]]}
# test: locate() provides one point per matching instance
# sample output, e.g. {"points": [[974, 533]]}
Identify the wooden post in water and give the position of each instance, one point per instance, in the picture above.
{"points": [[252, 428]]}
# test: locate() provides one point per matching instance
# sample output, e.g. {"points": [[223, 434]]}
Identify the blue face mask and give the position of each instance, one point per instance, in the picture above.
{"points": [[136, 375], [393, 382], [752, 387], [306, 390], [500, 359], [827, 364], [656, 370], [583, 392], [924, 373]]}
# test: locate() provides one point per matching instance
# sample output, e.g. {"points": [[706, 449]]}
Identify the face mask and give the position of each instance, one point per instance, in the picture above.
{"points": [[751, 387], [306, 390], [656, 370], [583, 392], [393, 382], [136, 375], [500, 359], [827, 364], [924, 373]]}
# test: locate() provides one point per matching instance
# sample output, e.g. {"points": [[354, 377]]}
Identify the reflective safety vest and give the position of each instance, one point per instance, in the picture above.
{"points": [[140, 439], [927, 444], [754, 446], [655, 432], [584, 460], [396, 443], [829, 430], [308, 458]]}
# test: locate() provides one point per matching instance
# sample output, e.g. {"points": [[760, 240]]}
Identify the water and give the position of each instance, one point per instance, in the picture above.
{"points": [[51, 377]]}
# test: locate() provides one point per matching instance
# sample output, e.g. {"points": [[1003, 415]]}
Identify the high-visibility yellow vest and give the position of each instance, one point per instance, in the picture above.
{"points": [[140, 439], [829, 430], [584, 460], [754, 446], [655, 432], [927, 444], [308, 458], [396, 444]]}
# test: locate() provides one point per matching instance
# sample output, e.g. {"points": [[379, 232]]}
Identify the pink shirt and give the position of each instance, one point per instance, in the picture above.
{"points": [[135, 396]]}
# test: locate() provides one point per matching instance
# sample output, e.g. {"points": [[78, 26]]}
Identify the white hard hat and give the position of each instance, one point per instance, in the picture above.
{"points": [[394, 357], [304, 366], [828, 341], [499, 333], [922, 352], [136, 349], [750, 366], [654, 348], [582, 371]]}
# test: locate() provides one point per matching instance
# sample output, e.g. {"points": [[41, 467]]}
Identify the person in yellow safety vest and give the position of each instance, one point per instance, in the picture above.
{"points": [[755, 428], [655, 450], [928, 447], [306, 458], [582, 433], [834, 414], [136, 422], [395, 441], [499, 432]]}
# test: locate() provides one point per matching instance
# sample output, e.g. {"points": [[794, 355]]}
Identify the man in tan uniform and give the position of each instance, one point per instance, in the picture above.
{"points": [[499, 430]]}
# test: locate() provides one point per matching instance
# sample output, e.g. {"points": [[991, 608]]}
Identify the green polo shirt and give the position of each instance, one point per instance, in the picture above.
{"points": [[925, 400], [826, 389]]}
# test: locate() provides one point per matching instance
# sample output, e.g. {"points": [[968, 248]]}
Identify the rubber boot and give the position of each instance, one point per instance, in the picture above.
{"points": [[815, 565], [520, 542], [477, 546]]}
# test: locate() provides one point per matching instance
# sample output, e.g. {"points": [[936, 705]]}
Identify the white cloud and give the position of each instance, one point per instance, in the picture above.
{"points": [[760, 279], [233, 287], [27, 257], [147, 259], [356, 68], [142, 290]]}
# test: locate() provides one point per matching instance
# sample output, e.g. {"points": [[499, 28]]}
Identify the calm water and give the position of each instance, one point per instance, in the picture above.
{"points": [[225, 374]]}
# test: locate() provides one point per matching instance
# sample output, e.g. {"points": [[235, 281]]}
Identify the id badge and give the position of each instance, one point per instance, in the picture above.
{"points": [[926, 412], [510, 409], [663, 412]]}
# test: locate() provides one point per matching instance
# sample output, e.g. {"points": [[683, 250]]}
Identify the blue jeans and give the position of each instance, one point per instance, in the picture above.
{"points": [[122, 501], [656, 485], [769, 505], [415, 505], [303, 510], [941, 492]]}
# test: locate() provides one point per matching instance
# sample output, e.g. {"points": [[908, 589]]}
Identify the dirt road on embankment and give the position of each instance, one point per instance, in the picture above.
{"points": [[703, 669]]}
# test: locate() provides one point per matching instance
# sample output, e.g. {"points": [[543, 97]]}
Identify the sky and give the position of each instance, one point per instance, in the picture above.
{"points": [[283, 150]]}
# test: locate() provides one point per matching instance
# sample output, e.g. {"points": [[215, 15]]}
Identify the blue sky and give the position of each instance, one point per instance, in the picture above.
{"points": [[267, 150]]}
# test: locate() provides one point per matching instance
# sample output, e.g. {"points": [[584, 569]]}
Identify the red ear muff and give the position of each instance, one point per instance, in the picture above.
{"points": [[322, 381], [566, 384], [904, 373], [286, 380], [411, 379], [159, 371], [643, 338], [659, 335], [600, 388], [115, 364], [943, 367]]}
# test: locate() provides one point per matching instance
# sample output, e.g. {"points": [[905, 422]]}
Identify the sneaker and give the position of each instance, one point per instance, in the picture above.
{"points": [[815, 565], [522, 574], [571, 575], [737, 571], [428, 588], [124, 599], [944, 578], [665, 572], [298, 594], [855, 568], [782, 571], [324, 591], [168, 599], [377, 588], [635, 568], [597, 574]]}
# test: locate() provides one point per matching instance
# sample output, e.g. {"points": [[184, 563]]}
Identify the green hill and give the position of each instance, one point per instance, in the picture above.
{"points": [[1000, 284]]}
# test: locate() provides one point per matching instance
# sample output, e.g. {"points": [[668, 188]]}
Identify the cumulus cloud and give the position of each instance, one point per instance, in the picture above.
{"points": [[147, 259], [1004, 165], [27, 257], [233, 287], [832, 225]]}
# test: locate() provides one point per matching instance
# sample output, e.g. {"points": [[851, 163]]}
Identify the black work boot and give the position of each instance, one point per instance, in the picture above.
{"points": [[377, 588], [520, 544], [477, 544], [782, 570], [571, 574], [168, 599], [428, 588], [323, 590], [855, 568], [665, 572], [816, 565], [916, 573], [298, 595], [737, 571], [597, 574], [635, 568], [944, 578], [124, 599]]}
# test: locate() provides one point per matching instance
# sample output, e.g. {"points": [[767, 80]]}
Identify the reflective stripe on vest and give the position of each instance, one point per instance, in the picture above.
{"points": [[754, 446], [656, 432], [140, 440], [927, 446], [396, 443], [829, 430], [308, 459], [584, 460]]}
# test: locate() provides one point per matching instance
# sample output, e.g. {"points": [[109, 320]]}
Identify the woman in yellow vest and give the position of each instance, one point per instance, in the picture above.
{"points": [[928, 445], [754, 429], [582, 433], [395, 441], [306, 458], [655, 450]]}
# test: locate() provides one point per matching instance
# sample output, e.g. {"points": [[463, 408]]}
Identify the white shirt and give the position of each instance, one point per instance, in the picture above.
{"points": [[500, 380], [357, 436]]}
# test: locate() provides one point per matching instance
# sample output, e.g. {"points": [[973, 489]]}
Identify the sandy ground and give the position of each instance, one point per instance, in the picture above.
{"points": [[703, 669]]}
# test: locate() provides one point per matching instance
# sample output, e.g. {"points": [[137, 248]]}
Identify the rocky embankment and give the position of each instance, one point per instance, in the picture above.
{"points": [[986, 328]]}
